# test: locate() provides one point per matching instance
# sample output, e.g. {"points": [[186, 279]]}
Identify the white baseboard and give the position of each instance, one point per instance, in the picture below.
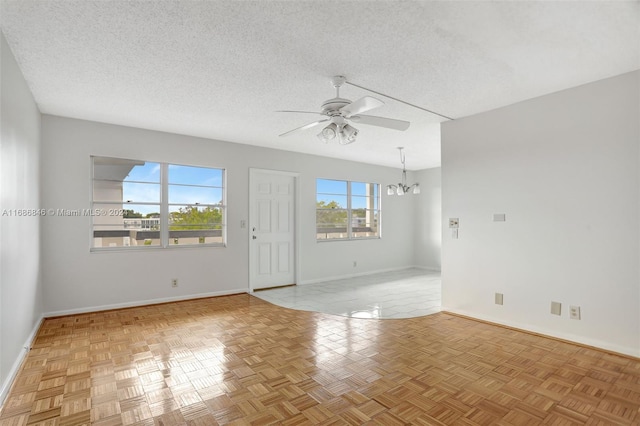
{"points": [[143, 303], [15, 368], [359, 274], [580, 340], [428, 268]]}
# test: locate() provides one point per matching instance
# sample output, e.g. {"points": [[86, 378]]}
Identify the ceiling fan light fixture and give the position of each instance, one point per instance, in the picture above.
{"points": [[328, 133], [348, 134]]}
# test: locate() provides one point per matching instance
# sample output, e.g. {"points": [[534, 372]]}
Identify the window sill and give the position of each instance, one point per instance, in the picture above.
{"points": [[152, 248], [326, 240]]}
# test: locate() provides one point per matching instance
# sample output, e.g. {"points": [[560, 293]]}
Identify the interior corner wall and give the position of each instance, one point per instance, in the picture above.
{"points": [[564, 169], [20, 282], [77, 280], [427, 239]]}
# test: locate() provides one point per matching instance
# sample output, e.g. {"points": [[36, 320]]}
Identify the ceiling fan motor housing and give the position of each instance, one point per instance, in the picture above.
{"points": [[332, 106]]}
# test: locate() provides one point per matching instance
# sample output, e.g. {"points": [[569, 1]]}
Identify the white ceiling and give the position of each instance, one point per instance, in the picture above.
{"points": [[221, 69]]}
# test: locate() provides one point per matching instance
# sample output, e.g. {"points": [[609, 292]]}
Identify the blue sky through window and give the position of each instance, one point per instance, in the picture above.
{"points": [[188, 175], [327, 186], [149, 172], [185, 175], [149, 191], [142, 192], [328, 190]]}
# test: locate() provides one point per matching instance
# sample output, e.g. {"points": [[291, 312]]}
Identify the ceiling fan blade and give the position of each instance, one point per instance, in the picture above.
{"points": [[305, 112], [305, 127], [389, 123], [361, 105]]}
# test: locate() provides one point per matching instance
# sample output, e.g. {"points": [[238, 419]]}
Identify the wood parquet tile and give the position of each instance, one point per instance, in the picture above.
{"points": [[239, 360]]}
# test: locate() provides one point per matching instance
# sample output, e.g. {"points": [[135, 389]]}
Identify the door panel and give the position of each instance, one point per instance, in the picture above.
{"points": [[264, 216], [264, 259], [283, 257], [283, 216]]}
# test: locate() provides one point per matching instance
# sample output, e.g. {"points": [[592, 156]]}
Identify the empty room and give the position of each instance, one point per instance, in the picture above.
{"points": [[319, 212]]}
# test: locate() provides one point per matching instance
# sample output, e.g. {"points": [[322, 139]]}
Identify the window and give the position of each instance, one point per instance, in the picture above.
{"points": [[137, 203], [347, 210]]}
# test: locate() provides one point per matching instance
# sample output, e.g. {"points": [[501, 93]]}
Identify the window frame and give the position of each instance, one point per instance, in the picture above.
{"points": [[349, 210], [163, 204]]}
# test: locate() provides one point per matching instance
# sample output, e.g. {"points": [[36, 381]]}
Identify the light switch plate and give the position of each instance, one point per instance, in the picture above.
{"points": [[499, 299], [499, 217], [556, 308]]}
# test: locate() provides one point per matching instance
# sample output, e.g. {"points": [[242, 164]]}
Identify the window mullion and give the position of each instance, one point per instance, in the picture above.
{"points": [[164, 204], [349, 219], [223, 208]]}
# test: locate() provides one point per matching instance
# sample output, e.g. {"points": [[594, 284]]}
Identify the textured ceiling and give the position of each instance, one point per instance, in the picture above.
{"points": [[221, 69]]}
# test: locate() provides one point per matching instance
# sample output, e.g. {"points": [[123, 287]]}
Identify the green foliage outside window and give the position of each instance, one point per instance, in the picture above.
{"points": [[330, 215], [130, 214], [194, 218]]}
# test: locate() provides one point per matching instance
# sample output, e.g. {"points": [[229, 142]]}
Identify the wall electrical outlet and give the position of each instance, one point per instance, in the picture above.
{"points": [[355, 263], [174, 282], [454, 222], [574, 312]]}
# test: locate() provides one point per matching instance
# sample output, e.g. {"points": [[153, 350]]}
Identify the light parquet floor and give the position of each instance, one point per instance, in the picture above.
{"points": [[241, 360]]}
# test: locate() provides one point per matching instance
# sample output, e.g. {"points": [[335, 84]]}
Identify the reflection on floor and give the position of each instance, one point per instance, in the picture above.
{"points": [[407, 293]]}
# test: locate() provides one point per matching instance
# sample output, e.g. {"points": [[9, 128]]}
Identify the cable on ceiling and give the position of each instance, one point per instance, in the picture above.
{"points": [[399, 100]]}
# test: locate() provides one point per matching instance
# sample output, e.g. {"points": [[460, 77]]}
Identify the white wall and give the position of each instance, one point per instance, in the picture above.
{"points": [[20, 284], [564, 170], [428, 219], [76, 280]]}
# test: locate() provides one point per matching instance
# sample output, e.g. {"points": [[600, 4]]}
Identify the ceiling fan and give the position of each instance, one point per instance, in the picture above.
{"points": [[339, 112]]}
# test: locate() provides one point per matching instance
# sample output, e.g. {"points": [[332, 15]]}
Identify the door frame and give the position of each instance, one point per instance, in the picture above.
{"points": [[296, 218]]}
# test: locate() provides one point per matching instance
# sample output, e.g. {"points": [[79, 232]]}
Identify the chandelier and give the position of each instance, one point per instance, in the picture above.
{"points": [[402, 187]]}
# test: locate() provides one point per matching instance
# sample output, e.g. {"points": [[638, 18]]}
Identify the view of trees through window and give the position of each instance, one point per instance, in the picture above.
{"points": [[347, 210], [195, 218], [129, 208]]}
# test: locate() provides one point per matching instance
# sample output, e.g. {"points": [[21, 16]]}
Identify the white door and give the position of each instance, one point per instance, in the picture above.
{"points": [[272, 229]]}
